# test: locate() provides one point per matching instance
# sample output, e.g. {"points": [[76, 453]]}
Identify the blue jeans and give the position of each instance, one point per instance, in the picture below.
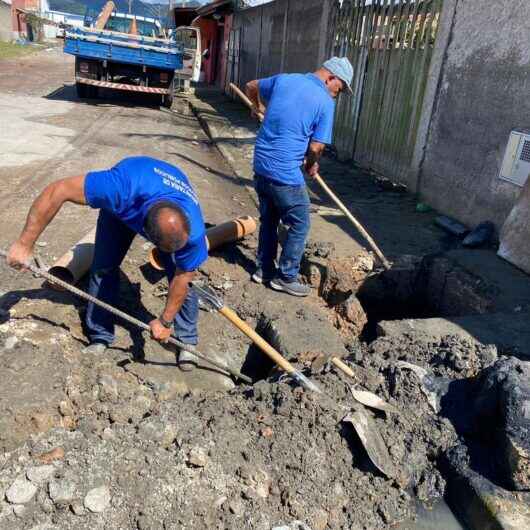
{"points": [[289, 204], [113, 240]]}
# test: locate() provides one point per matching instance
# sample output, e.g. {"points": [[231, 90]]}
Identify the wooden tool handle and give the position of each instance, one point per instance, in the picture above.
{"points": [[358, 225], [247, 101], [257, 340], [343, 367]]}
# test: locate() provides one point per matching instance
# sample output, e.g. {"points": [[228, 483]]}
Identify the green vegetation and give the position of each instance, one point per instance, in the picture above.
{"points": [[9, 51]]}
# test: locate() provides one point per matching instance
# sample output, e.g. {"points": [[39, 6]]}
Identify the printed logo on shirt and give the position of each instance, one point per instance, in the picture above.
{"points": [[174, 182]]}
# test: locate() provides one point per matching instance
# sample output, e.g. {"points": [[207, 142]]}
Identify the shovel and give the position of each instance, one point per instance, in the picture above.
{"points": [[324, 186], [138, 323], [208, 296]]}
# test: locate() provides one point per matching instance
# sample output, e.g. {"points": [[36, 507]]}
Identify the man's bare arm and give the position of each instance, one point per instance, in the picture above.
{"points": [[42, 212], [252, 91], [178, 290], [314, 153]]}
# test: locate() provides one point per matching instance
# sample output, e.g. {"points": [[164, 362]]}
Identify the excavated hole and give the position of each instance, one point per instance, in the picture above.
{"points": [[381, 302], [258, 365], [397, 294]]}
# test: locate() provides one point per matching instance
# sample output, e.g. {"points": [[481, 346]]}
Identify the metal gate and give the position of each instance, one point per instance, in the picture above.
{"points": [[390, 44]]}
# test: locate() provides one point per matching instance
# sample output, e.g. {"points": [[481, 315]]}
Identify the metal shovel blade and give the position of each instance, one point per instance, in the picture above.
{"points": [[372, 441], [373, 401]]}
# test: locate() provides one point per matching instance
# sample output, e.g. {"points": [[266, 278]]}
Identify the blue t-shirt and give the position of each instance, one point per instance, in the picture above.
{"points": [[300, 109], [133, 185]]}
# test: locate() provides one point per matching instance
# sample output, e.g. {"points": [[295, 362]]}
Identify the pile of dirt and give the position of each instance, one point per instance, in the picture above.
{"points": [[255, 457], [448, 356]]}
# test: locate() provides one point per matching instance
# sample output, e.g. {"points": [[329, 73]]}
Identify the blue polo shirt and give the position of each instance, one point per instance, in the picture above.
{"points": [[300, 109], [133, 185]]}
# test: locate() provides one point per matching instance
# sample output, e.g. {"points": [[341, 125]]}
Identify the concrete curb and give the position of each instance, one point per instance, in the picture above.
{"points": [[211, 129]]}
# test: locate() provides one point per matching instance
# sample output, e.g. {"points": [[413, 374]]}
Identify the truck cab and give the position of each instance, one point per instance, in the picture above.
{"points": [[126, 23]]}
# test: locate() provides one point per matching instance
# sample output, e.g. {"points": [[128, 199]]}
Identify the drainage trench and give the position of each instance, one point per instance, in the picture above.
{"points": [[360, 302]]}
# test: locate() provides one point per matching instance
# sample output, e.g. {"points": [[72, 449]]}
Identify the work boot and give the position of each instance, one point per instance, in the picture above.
{"points": [[96, 348], [294, 288], [187, 361]]}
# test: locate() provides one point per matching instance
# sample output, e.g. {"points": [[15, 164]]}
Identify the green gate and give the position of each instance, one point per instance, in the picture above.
{"points": [[390, 44]]}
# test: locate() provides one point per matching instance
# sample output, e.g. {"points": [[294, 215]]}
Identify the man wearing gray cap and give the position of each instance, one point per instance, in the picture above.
{"points": [[299, 111]]}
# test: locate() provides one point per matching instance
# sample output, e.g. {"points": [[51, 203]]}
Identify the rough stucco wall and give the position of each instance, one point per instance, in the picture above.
{"points": [[6, 32], [303, 35], [283, 36], [484, 94]]}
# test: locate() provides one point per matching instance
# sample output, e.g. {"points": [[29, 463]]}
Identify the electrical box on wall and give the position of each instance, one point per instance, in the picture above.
{"points": [[516, 165]]}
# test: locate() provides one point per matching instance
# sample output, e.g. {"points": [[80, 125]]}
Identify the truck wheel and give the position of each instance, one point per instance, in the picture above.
{"points": [[167, 101]]}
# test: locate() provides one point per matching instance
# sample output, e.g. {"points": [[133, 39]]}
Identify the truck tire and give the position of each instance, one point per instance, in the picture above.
{"points": [[167, 101]]}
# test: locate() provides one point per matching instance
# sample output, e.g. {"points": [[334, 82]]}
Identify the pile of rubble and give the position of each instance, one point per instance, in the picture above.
{"points": [[255, 457]]}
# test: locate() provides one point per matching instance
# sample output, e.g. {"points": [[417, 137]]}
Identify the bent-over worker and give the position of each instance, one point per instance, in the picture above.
{"points": [[299, 111], [139, 195]]}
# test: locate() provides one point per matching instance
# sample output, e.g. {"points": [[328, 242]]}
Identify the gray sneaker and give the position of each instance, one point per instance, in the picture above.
{"points": [[96, 348], [258, 277], [187, 361], [294, 288]]}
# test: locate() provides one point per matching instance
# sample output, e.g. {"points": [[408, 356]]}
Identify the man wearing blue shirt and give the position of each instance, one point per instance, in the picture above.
{"points": [[299, 112], [139, 195]]}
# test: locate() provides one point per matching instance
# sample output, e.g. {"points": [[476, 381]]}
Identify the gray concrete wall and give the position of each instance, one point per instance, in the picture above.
{"points": [[282, 36], [6, 33], [484, 93]]}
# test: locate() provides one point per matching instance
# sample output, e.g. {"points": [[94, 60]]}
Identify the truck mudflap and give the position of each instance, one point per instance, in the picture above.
{"points": [[123, 86]]}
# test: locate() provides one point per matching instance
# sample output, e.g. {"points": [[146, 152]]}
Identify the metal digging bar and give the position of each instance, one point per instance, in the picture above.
{"points": [[172, 340], [208, 296]]}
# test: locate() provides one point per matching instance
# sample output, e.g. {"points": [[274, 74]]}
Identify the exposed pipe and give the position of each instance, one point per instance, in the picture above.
{"points": [[73, 265]]}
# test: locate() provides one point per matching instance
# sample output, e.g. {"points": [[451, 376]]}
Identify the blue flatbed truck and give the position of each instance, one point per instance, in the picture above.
{"points": [[120, 61]]}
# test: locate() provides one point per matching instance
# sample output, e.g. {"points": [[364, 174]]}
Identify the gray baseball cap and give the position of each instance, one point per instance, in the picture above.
{"points": [[341, 68]]}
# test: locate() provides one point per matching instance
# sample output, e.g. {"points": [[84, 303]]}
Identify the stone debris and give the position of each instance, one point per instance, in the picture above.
{"points": [[61, 491], [198, 457], [20, 510], [98, 499], [10, 342], [52, 456], [21, 491], [40, 474], [77, 508]]}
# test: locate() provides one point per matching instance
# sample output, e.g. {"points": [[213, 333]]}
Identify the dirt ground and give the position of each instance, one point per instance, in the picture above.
{"points": [[126, 440]]}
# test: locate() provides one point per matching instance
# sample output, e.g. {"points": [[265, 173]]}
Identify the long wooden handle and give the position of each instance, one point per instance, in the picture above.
{"points": [[247, 101], [257, 340], [356, 223], [128, 318]]}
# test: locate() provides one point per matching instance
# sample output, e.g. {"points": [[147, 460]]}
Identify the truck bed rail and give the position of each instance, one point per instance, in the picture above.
{"points": [[118, 47]]}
